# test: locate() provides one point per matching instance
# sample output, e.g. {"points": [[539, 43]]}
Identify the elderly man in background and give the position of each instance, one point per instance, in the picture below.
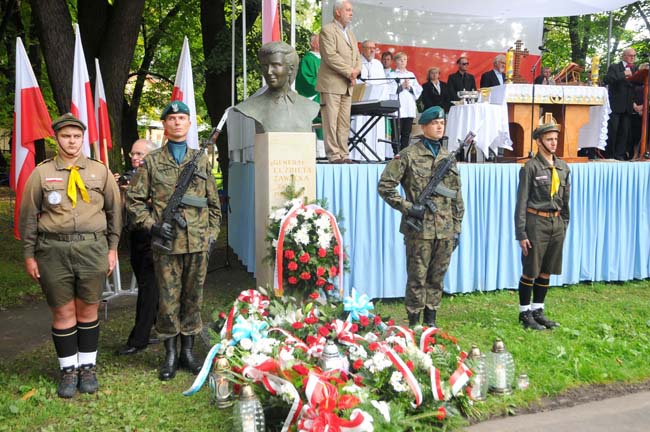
{"points": [[496, 76], [460, 80], [545, 77], [339, 68], [372, 73]]}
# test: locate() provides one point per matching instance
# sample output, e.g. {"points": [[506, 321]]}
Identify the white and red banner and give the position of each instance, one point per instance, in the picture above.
{"points": [[82, 95], [184, 91], [31, 122], [101, 114], [270, 21]]}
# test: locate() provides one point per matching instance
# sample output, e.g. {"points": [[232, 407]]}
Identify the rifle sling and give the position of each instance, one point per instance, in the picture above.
{"points": [[194, 201]]}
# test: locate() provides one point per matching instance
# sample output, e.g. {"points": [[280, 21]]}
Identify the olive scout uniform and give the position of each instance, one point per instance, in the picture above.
{"points": [[428, 252], [542, 217], [69, 218], [180, 273]]}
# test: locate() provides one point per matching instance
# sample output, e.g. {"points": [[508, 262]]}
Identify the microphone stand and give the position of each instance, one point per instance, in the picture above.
{"points": [[532, 108], [399, 116]]}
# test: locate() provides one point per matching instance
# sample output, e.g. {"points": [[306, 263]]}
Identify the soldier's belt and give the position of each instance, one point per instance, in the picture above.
{"points": [[194, 201], [69, 237], [543, 213]]}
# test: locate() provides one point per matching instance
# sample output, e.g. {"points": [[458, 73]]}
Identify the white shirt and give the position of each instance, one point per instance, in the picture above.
{"points": [[407, 98]]}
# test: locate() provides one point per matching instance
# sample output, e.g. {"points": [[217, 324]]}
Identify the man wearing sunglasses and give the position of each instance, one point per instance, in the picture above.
{"points": [[460, 80]]}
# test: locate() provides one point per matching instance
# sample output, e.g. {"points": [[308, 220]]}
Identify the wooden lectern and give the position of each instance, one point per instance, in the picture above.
{"points": [[641, 76]]}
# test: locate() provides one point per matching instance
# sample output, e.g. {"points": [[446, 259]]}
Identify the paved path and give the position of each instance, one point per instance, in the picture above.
{"points": [[629, 413]]}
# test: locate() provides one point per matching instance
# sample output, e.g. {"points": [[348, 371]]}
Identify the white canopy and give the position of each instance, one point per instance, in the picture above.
{"points": [[502, 8]]}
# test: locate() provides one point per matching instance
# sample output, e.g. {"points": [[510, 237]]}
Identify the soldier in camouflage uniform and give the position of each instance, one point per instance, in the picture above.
{"points": [[180, 273], [428, 252], [541, 219]]}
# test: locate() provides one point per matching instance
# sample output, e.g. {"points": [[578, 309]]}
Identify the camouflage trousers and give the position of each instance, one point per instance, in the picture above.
{"points": [[180, 279], [426, 264]]}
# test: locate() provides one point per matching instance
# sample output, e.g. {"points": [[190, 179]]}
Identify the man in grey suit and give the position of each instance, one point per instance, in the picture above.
{"points": [[340, 65]]}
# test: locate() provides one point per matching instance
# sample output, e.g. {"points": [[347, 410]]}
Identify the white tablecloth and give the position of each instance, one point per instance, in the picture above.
{"points": [[593, 134], [487, 121]]}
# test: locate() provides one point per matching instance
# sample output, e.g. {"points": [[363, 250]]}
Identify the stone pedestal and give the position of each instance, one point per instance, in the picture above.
{"points": [[278, 156]]}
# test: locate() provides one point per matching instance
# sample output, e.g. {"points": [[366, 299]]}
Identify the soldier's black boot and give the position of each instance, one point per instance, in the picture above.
{"points": [[527, 320], [429, 317], [538, 315], [414, 319], [188, 361], [67, 387], [170, 364]]}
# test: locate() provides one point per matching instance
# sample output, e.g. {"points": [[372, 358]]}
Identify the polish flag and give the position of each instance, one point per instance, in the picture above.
{"points": [[270, 21], [101, 115], [184, 91], [82, 95], [31, 122]]}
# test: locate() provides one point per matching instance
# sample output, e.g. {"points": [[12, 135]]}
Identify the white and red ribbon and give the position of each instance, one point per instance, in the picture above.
{"points": [[459, 378], [436, 384], [405, 371]]}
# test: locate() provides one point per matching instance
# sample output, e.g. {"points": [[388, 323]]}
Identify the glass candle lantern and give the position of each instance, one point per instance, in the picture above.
{"points": [[522, 381], [220, 386], [331, 358], [501, 369], [248, 412], [477, 362]]}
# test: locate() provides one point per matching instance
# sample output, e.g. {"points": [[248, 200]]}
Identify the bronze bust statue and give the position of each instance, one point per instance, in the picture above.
{"points": [[279, 109]]}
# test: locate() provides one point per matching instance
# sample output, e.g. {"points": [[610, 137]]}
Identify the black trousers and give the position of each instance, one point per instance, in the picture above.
{"points": [[618, 136], [405, 127], [147, 305]]}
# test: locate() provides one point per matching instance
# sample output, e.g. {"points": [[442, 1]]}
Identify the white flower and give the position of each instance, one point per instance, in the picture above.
{"points": [[396, 340], [293, 222], [278, 214], [358, 352], [246, 344], [255, 359], [377, 363], [230, 351], [382, 407], [274, 243], [302, 236], [371, 337], [324, 239], [396, 380], [265, 345], [294, 202], [323, 222], [309, 213], [420, 359]]}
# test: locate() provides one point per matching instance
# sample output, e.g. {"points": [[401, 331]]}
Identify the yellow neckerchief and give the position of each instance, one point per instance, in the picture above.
{"points": [[555, 181], [73, 181]]}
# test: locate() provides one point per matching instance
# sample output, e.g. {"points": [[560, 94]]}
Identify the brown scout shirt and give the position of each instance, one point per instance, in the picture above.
{"points": [[46, 206]]}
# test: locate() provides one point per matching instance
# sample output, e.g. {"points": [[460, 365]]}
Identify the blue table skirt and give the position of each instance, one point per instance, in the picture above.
{"points": [[607, 239]]}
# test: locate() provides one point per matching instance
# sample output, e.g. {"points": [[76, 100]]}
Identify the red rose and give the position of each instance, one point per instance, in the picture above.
{"points": [[391, 322], [374, 346], [311, 339], [320, 282], [337, 250], [289, 254], [329, 287], [244, 311], [410, 365], [358, 380], [304, 258], [293, 266], [311, 320], [377, 320], [358, 364], [363, 320], [333, 271], [314, 295], [300, 369], [297, 325], [442, 413], [324, 331], [305, 276], [398, 349], [320, 271], [322, 252], [222, 315], [292, 280], [354, 328]]}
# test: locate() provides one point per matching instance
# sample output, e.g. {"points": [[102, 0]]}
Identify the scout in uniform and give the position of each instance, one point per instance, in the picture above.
{"points": [[70, 222], [541, 219], [428, 252], [181, 271]]}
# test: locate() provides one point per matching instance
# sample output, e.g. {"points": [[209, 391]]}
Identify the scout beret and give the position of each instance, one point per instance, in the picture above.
{"points": [[175, 107], [431, 113], [545, 128], [67, 119]]}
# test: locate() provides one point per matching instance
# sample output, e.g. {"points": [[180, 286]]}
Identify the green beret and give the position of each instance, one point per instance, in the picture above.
{"points": [[67, 119], [545, 128], [431, 113], [175, 107]]}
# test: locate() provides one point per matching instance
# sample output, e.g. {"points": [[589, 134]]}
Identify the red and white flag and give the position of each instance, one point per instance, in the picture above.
{"points": [[82, 95], [31, 122], [184, 91], [101, 114], [270, 21]]}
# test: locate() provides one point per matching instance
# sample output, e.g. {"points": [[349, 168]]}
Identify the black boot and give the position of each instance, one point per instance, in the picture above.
{"points": [[168, 368], [538, 315], [430, 317], [527, 320], [188, 361], [414, 318]]}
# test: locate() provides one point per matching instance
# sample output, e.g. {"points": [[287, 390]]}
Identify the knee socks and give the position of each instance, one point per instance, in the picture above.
{"points": [[525, 291], [539, 292], [88, 339], [65, 344]]}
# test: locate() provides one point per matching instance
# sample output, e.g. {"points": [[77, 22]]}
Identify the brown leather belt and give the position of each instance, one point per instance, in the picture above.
{"points": [[69, 237], [543, 213]]}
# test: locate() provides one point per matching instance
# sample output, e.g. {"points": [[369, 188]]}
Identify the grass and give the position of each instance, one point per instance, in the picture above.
{"points": [[604, 338]]}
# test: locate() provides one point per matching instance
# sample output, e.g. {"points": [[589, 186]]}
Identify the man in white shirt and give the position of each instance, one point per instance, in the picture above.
{"points": [[376, 89]]}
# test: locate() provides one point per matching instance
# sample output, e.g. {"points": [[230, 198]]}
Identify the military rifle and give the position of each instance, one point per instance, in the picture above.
{"points": [[434, 186], [171, 215]]}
